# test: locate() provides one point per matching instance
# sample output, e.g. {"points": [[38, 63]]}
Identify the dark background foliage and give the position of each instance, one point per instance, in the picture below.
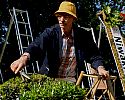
{"points": [[41, 15]]}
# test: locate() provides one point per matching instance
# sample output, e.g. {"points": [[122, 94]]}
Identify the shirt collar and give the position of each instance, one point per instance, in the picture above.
{"points": [[70, 36]]}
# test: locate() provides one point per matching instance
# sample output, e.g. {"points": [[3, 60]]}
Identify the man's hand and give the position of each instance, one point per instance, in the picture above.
{"points": [[103, 72], [17, 65]]}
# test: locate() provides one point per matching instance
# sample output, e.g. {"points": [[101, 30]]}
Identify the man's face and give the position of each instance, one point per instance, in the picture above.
{"points": [[65, 21]]}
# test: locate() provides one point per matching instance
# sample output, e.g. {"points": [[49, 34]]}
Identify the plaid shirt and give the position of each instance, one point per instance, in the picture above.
{"points": [[68, 59]]}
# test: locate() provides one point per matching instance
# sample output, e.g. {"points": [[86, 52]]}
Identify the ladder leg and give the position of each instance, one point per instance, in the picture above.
{"points": [[110, 90], [80, 78], [1, 76], [7, 36], [102, 94], [95, 87], [4, 46]]}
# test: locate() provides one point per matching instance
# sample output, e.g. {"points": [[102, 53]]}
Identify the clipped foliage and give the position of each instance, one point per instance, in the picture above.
{"points": [[113, 17], [40, 87]]}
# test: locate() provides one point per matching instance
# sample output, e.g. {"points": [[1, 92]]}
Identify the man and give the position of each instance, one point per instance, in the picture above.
{"points": [[65, 46]]}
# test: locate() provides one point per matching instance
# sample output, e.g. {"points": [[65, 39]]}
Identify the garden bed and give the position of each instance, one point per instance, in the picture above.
{"points": [[40, 87]]}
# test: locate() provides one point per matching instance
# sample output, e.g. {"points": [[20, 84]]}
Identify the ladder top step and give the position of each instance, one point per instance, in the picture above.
{"points": [[17, 10]]}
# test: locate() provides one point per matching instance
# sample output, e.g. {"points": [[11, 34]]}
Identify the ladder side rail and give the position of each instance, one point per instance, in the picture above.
{"points": [[93, 35], [29, 25], [100, 31], [12, 13], [108, 38], [24, 23], [122, 82], [7, 36], [31, 37], [1, 79], [4, 46], [90, 79], [25, 29], [33, 68], [18, 35], [37, 65], [88, 72], [17, 32]]}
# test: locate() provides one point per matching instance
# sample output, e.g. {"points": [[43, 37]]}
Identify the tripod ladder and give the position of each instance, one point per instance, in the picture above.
{"points": [[108, 83], [23, 33]]}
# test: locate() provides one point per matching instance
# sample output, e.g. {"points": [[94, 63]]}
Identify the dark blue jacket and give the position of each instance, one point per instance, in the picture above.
{"points": [[49, 44]]}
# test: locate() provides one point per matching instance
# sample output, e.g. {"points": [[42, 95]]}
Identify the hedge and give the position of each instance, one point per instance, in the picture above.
{"points": [[40, 87]]}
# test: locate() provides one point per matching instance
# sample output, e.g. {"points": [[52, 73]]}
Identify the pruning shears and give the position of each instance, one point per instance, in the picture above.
{"points": [[24, 75]]}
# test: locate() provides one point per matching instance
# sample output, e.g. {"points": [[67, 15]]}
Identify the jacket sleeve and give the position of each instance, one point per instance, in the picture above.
{"points": [[93, 55], [37, 48]]}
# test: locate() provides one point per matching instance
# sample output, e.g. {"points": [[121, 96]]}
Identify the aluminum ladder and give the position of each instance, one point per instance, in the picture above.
{"points": [[23, 34], [117, 45]]}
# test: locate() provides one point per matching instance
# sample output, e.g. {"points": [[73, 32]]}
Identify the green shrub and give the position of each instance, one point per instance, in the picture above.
{"points": [[40, 87]]}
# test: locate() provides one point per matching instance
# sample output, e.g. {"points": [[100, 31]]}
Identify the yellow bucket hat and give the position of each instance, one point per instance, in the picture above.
{"points": [[67, 7]]}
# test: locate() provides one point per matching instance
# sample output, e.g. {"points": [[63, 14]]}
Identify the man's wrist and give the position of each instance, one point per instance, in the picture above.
{"points": [[26, 55], [102, 67]]}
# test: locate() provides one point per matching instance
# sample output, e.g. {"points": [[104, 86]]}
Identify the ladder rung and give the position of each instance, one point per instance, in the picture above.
{"points": [[20, 11], [22, 22], [24, 47], [26, 35]]}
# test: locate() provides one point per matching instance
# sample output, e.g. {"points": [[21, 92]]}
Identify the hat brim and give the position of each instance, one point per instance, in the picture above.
{"points": [[57, 12]]}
